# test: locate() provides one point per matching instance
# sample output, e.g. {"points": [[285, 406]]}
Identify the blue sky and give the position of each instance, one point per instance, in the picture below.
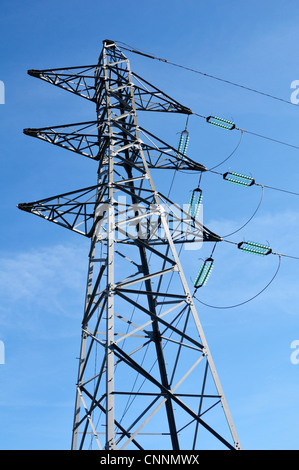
{"points": [[43, 267]]}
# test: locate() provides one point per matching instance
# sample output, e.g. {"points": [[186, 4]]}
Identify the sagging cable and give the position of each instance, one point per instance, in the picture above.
{"points": [[246, 301], [250, 219]]}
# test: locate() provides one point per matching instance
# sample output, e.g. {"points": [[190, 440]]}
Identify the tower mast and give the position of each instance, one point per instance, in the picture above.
{"points": [[145, 368]]}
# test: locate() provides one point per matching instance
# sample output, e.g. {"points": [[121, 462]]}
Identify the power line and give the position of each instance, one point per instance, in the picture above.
{"points": [[229, 82], [280, 255], [254, 183], [286, 256], [252, 133], [269, 138], [272, 252], [211, 170], [136, 51], [278, 189], [151, 56]]}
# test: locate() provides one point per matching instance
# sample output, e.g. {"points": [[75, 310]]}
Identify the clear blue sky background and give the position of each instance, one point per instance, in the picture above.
{"points": [[43, 267]]}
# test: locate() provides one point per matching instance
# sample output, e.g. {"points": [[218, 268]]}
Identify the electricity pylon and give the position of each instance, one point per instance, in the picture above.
{"points": [[146, 377]]}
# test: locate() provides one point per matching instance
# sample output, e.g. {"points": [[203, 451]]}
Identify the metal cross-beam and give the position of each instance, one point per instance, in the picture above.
{"points": [[91, 139], [145, 368], [81, 81], [85, 211]]}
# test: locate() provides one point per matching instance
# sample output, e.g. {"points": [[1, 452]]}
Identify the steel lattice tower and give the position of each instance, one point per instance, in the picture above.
{"points": [[145, 368]]}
